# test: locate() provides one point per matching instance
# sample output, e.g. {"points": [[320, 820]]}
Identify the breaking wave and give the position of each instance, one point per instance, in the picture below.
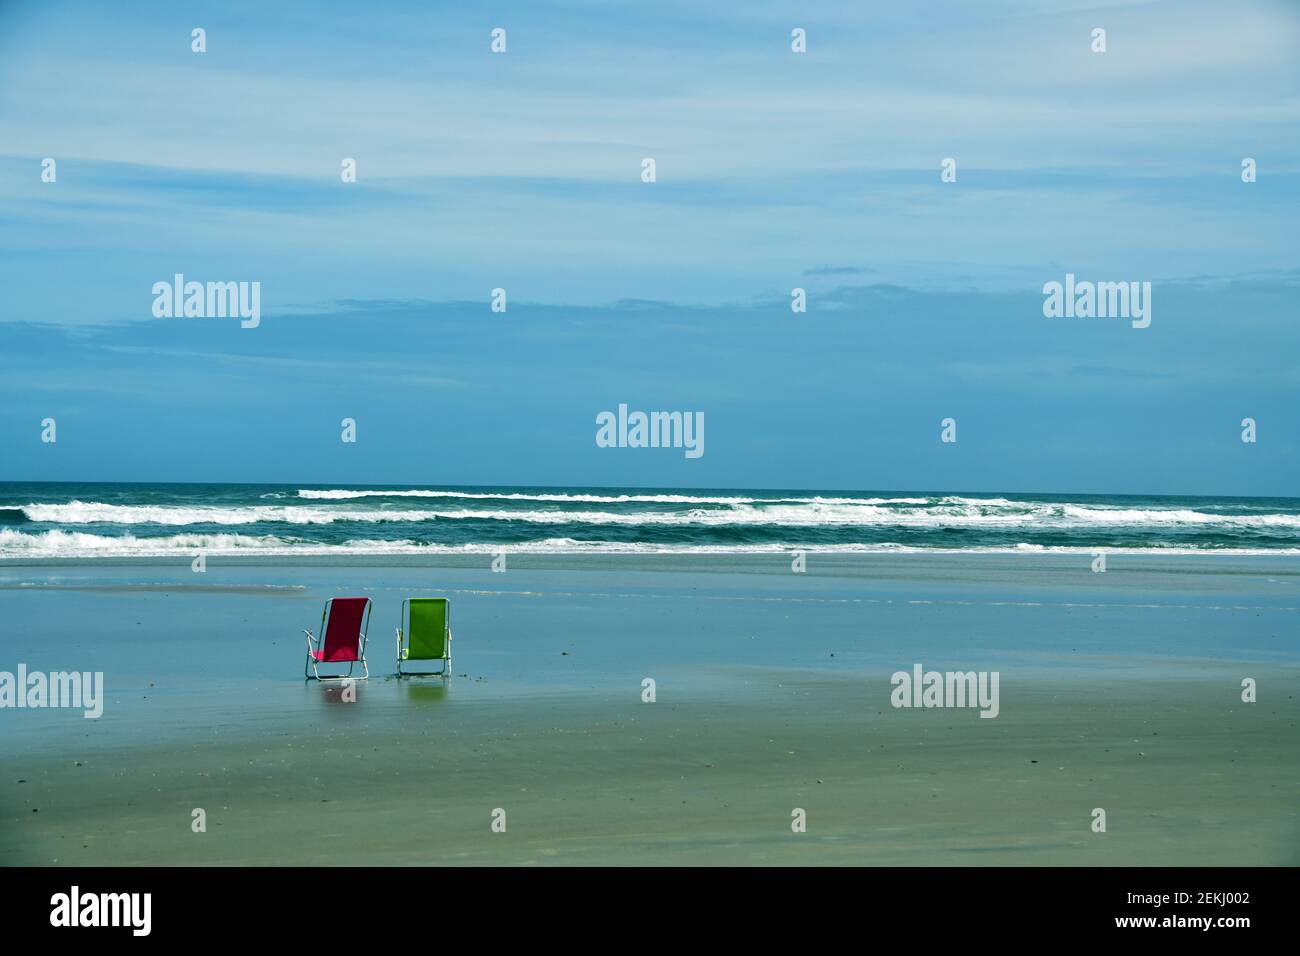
{"points": [[107, 520]]}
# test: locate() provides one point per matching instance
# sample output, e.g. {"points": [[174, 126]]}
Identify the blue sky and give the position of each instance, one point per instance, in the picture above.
{"points": [[775, 170]]}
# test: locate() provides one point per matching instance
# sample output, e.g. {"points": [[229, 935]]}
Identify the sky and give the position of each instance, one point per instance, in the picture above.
{"points": [[775, 170]]}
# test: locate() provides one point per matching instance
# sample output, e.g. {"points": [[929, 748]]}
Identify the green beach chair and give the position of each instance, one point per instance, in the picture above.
{"points": [[427, 635]]}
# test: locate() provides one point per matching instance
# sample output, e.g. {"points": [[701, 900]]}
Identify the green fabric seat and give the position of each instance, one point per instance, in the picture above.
{"points": [[427, 634]]}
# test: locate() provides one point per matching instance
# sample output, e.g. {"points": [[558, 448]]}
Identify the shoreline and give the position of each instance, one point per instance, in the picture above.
{"points": [[469, 554], [775, 557]]}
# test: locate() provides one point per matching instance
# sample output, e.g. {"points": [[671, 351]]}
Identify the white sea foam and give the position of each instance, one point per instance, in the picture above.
{"points": [[82, 544], [64, 544], [950, 512], [340, 494]]}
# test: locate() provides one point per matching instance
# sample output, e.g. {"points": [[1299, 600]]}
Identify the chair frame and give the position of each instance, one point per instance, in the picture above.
{"points": [[446, 658], [312, 672]]}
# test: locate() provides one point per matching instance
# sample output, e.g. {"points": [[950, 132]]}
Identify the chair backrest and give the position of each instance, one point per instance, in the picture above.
{"points": [[427, 632], [343, 629]]}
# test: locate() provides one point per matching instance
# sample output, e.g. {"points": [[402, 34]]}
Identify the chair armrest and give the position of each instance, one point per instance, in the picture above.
{"points": [[311, 638]]}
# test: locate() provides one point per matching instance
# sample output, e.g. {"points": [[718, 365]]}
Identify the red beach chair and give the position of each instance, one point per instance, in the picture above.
{"points": [[343, 624]]}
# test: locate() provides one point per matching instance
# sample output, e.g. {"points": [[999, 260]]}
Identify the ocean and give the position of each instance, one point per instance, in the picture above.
{"points": [[78, 521]]}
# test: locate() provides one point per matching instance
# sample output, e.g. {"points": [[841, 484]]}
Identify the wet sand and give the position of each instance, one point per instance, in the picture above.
{"points": [[1119, 691]]}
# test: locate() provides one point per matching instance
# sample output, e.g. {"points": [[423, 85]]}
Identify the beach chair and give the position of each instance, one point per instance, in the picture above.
{"points": [[343, 626], [427, 635]]}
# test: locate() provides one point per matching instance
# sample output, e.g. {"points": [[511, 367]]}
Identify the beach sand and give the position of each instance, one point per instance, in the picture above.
{"points": [[1118, 690]]}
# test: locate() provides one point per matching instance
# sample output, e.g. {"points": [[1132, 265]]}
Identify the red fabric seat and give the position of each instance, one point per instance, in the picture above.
{"points": [[343, 631]]}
